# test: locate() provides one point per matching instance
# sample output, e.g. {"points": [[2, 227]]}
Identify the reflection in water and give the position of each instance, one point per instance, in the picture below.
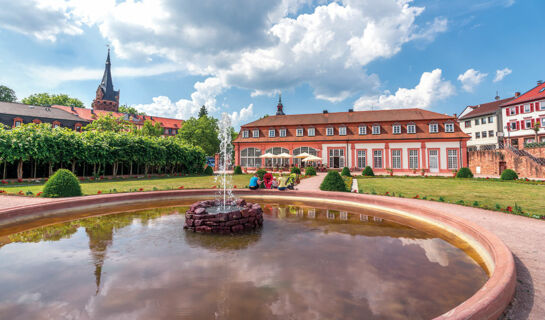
{"points": [[305, 263]]}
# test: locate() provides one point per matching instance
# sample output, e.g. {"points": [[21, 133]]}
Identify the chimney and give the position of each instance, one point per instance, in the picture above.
{"points": [[325, 111], [455, 116], [539, 82], [517, 94], [350, 110]]}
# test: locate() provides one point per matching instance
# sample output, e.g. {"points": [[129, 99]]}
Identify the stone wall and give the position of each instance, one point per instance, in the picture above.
{"points": [[489, 163], [536, 152]]}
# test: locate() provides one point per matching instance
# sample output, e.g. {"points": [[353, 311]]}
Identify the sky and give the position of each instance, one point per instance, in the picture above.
{"points": [[169, 57]]}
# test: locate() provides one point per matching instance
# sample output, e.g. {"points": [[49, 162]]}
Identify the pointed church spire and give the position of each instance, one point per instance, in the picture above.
{"points": [[107, 98], [280, 107]]}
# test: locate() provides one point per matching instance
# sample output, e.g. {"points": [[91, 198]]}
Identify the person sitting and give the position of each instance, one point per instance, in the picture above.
{"points": [[268, 180], [282, 183], [290, 181], [275, 183], [254, 182]]}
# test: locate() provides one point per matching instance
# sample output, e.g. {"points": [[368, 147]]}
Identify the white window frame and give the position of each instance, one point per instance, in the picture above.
{"points": [[299, 132], [490, 119], [282, 132], [272, 133], [342, 131], [543, 122], [255, 133], [376, 129], [477, 135], [483, 120], [513, 125], [449, 127], [527, 123], [378, 154], [411, 128], [396, 159], [412, 159], [361, 156], [362, 130], [513, 111], [311, 132], [484, 134], [434, 127], [245, 133], [18, 123], [329, 131], [526, 108], [396, 129], [452, 159]]}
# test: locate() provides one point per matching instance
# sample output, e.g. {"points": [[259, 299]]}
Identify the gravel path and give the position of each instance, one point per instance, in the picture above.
{"points": [[524, 236]]}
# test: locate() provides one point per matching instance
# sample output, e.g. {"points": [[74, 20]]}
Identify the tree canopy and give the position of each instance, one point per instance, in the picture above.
{"points": [[7, 94], [46, 99], [203, 112], [109, 123], [130, 110], [150, 129], [202, 132]]}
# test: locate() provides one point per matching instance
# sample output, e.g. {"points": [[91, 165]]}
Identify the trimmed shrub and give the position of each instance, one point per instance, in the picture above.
{"points": [[238, 170], [310, 171], [208, 171], [464, 173], [261, 173], [333, 182], [368, 172], [509, 174], [62, 184], [295, 170], [346, 172]]}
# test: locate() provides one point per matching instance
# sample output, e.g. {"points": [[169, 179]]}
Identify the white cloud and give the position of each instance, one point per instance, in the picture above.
{"points": [[471, 78], [430, 89], [500, 74], [262, 46], [244, 114]]}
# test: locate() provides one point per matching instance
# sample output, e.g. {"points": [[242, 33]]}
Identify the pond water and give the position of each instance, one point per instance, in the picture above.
{"points": [[306, 263]]}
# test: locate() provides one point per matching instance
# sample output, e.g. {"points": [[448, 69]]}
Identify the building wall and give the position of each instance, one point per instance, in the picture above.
{"points": [[487, 162], [8, 120], [480, 128], [523, 133]]}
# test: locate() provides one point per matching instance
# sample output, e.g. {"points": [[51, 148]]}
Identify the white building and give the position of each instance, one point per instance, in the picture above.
{"points": [[483, 122]]}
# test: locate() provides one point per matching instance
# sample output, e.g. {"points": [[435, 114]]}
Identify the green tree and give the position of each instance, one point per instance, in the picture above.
{"points": [[109, 123], [45, 99], [203, 112], [536, 130], [150, 129], [7, 94], [130, 110], [201, 132]]}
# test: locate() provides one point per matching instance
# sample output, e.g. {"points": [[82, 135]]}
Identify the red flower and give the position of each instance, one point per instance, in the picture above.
{"points": [[141, 189], [416, 197], [99, 192], [486, 178], [2, 191], [180, 187], [21, 193], [39, 194], [387, 193], [213, 187], [527, 179], [509, 209], [81, 178], [19, 180], [235, 186], [101, 177]]}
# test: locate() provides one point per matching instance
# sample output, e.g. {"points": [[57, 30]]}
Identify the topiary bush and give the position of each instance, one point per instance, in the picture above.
{"points": [[346, 172], [208, 171], [238, 170], [310, 171], [509, 174], [333, 182], [261, 173], [368, 172], [62, 184], [464, 173], [295, 170]]}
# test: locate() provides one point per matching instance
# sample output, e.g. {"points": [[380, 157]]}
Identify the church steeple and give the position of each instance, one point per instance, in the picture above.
{"points": [[280, 107], [107, 98]]}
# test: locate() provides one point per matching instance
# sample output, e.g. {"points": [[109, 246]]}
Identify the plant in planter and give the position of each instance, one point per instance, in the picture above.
{"points": [[414, 171], [390, 171], [422, 172]]}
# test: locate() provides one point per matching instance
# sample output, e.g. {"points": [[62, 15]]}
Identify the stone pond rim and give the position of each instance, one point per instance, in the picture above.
{"points": [[487, 303], [241, 217]]}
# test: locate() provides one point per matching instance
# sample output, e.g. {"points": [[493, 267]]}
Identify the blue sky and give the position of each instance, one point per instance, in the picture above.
{"points": [[170, 57]]}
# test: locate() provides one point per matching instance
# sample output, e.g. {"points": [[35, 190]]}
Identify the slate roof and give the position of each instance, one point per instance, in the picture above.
{"points": [[107, 85], [19, 109], [486, 108]]}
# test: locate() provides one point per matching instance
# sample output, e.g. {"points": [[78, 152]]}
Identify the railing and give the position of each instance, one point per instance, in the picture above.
{"points": [[523, 153]]}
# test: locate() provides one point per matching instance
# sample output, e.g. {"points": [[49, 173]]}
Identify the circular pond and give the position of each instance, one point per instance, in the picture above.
{"points": [[308, 262]]}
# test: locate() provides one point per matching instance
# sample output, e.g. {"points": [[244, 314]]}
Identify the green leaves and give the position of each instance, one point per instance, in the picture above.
{"points": [[45, 99], [7, 94]]}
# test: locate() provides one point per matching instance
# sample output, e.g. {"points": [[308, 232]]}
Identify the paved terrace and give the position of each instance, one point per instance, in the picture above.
{"points": [[524, 236]]}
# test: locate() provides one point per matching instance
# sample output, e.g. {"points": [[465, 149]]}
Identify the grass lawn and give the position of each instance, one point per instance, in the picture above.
{"points": [[531, 198], [105, 186]]}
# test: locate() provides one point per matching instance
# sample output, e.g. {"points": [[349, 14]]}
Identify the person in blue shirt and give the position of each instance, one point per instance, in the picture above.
{"points": [[254, 182]]}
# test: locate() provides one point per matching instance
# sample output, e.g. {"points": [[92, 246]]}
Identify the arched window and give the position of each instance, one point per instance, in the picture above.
{"points": [[249, 157], [277, 162], [300, 150]]}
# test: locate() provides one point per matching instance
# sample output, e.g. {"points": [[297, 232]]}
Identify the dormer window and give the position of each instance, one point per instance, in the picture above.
{"points": [[300, 132], [246, 133], [282, 132], [342, 131], [329, 131], [376, 129], [396, 129], [449, 127], [411, 128], [272, 133], [362, 130], [255, 133], [311, 132], [434, 128]]}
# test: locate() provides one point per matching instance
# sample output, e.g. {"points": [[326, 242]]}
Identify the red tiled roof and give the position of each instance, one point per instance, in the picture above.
{"points": [[535, 93], [486, 108], [89, 116], [348, 117]]}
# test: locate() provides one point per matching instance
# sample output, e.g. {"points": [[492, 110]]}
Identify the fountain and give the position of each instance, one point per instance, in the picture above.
{"points": [[225, 214]]}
